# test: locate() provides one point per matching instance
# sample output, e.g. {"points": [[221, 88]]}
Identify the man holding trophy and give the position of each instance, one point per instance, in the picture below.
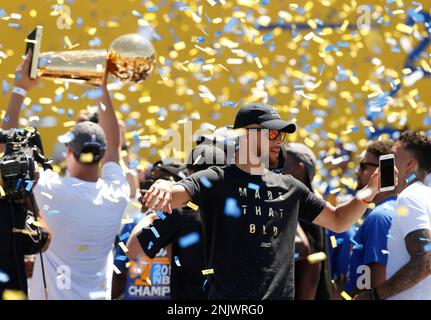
{"points": [[83, 209]]}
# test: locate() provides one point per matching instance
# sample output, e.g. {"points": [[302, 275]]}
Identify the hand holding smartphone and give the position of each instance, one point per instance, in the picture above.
{"points": [[387, 172]]}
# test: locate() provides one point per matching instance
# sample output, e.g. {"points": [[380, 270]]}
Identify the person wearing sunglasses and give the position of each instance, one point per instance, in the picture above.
{"points": [[250, 214], [369, 247]]}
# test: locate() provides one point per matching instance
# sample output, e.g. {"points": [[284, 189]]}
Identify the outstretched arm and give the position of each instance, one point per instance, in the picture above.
{"points": [[166, 195], [342, 217]]}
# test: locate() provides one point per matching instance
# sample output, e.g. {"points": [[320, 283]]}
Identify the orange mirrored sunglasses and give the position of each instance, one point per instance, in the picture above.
{"points": [[273, 134]]}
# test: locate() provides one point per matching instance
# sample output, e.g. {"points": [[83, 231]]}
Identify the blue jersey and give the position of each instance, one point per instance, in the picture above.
{"points": [[370, 241]]}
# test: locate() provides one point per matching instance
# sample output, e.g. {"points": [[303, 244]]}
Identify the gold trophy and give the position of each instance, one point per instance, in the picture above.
{"points": [[130, 57]]}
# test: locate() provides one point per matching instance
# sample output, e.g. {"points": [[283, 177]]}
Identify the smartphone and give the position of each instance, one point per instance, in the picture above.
{"points": [[33, 42], [387, 172]]}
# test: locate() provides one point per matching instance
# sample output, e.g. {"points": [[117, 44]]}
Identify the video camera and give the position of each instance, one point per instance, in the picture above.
{"points": [[17, 165]]}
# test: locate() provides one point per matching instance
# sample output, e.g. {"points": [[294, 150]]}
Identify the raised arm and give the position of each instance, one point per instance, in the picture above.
{"points": [[109, 123], [342, 217]]}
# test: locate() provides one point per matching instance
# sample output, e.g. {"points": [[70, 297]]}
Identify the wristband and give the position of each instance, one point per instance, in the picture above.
{"points": [[20, 91]]}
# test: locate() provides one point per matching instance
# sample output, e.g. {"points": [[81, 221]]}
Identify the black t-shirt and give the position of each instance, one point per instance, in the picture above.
{"points": [[186, 279], [252, 255]]}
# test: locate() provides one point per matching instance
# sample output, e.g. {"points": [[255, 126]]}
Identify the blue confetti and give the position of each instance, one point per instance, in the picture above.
{"points": [[124, 236], [228, 104], [18, 183], [177, 261], [200, 39], [6, 119], [121, 258], [267, 37], [189, 239], [203, 286], [51, 212], [6, 87], [156, 234], [205, 181], [296, 256], [150, 245], [161, 215], [253, 186], [427, 247], [231, 208], [29, 186], [342, 44], [411, 177], [4, 277]]}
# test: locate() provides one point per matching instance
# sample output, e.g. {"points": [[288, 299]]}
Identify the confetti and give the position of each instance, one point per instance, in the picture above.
{"points": [[161, 215], [207, 272], [52, 212], [123, 247], [192, 206], [316, 257], [411, 177], [82, 247], [231, 208], [9, 294], [116, 270], [189, 240], [124, 236], [402, 211], [206, 182], [253, 186], [156, 233], [177, 261], [4, 277], [333, 241], [427, 247], [346, 296], [385, 251]]}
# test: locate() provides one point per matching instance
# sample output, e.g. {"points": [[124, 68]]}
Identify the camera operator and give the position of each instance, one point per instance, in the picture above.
{"points": [[83, 209], [23, 230]]}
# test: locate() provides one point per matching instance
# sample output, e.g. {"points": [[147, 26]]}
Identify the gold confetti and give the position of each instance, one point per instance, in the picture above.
{"points": [[82, 248], [192, 205], [316, 257], [403, 211], [123, 247], [404, 28], [9, 294], [179, 46], [346, 296], [207, 272], [86, 157], [333, 241], [68, 124], [258, 62], [116, 270]]}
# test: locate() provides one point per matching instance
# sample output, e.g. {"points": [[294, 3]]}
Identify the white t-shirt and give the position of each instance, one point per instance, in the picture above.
{"points": [[417, 199], [84, 218]]}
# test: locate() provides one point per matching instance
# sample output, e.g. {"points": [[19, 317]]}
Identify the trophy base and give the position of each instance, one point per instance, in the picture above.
{"points": [[78, 66]]}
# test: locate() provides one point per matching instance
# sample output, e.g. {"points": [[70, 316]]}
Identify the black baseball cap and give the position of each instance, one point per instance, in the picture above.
{"points": [[264, 115], [86, 137]]}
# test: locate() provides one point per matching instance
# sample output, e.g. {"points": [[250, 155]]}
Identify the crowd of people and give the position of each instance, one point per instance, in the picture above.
{"points": [[254, 225]]}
